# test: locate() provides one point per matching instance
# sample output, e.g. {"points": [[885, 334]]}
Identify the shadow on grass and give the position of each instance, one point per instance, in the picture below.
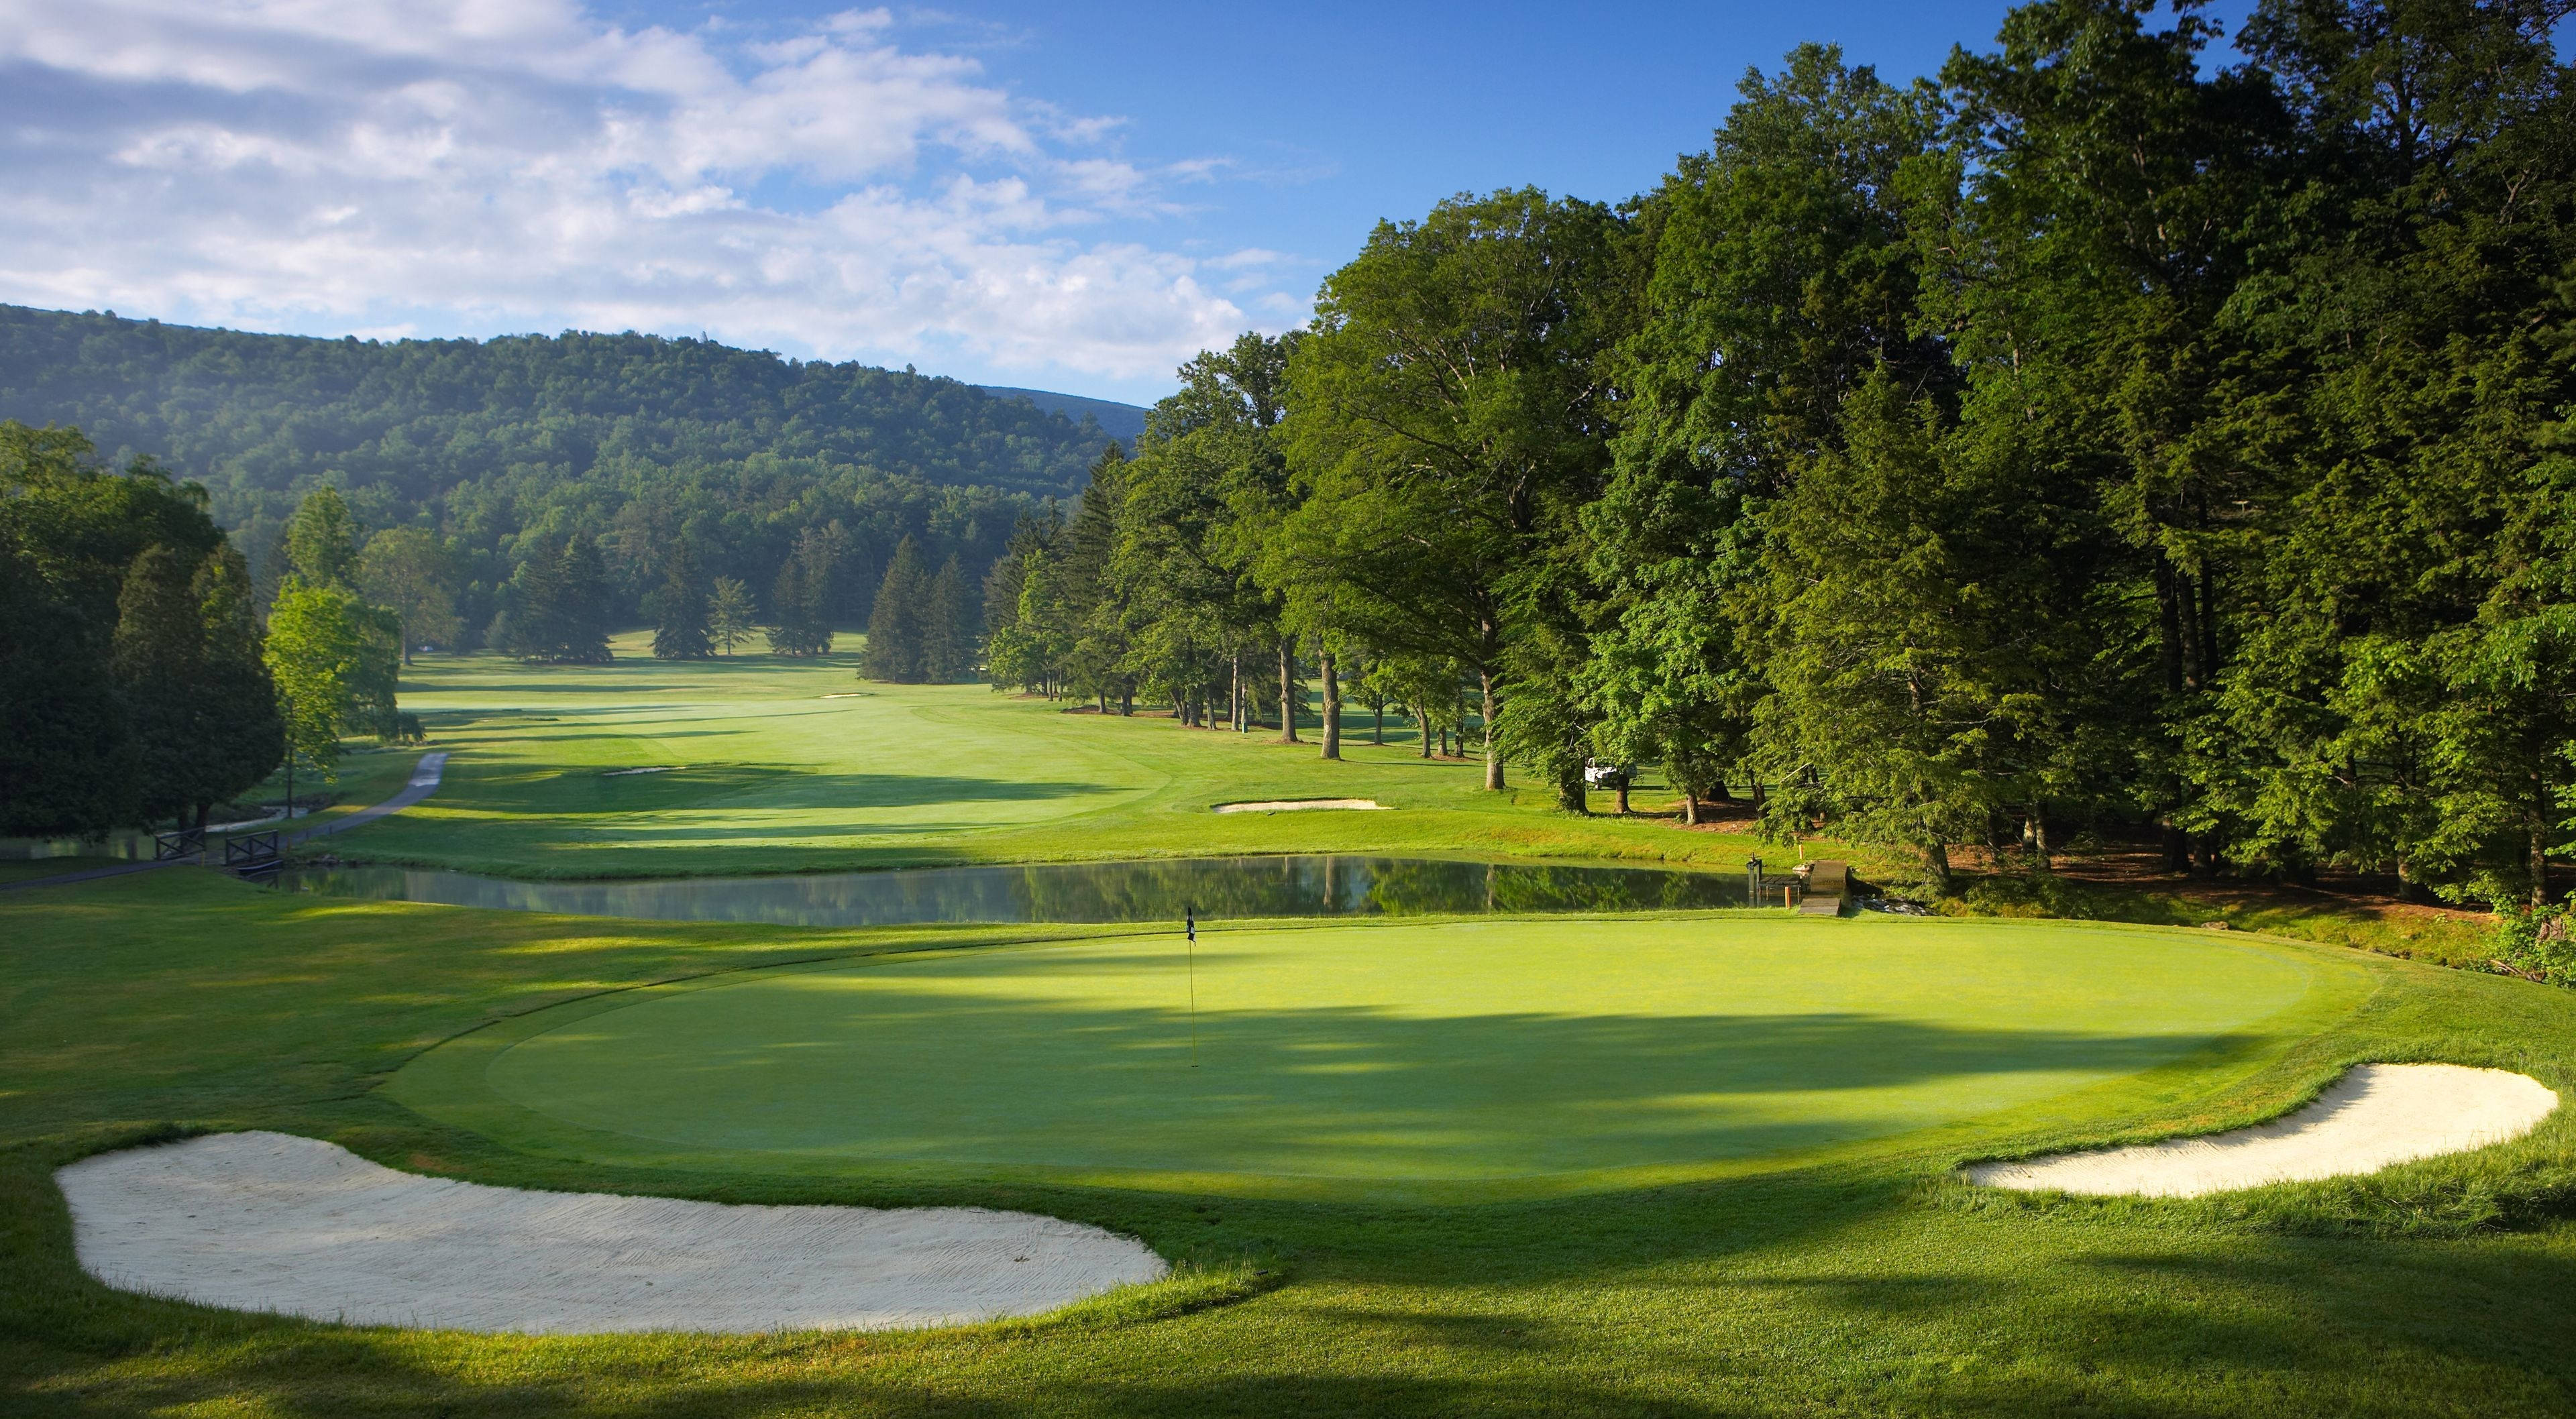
{"points": [[551, 790], [2018, 1324], [893, 1064]]}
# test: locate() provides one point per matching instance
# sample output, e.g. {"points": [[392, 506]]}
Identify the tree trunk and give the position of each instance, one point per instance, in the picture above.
{"points": [[1422, 719], [2034, 838], [1493, 746], [1287, 689], [2539, 823], [1623, 798], [1332, 704], [1377, 722], [1234, 699], [1690, 804], [1936, 856]]}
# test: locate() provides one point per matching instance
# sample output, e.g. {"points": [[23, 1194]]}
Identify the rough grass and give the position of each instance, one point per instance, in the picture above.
{"points": [[2449, 938]]}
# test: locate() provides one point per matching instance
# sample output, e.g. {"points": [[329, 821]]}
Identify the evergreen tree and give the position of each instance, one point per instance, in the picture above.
{"points": [[895, 627], [241, 738], [730, 614], [801, 598], [1013, 649], [160, 663], [949, 629], [585, 604], [559, 613], [1093, 610], [680, 630], [65, 766], [322, 540], [534, 627], [790, 633]]}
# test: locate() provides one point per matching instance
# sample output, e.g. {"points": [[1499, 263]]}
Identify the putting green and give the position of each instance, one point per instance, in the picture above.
{"points": [[1469, 1053]]}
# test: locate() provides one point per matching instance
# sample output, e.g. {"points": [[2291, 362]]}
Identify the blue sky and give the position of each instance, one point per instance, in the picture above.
{"points": [[1064, 196]]}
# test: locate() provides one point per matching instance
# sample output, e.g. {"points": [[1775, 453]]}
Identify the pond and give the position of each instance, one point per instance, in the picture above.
{"points": [[1215, 888]]}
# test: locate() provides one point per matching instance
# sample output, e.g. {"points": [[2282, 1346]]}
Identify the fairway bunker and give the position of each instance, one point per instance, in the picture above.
{"points": [[295, 1226], [1301, 805], [2376, 1116]]}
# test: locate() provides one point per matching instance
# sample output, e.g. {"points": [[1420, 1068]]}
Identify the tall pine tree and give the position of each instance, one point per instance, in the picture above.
{"points": [[159, 661], [948, 625], [801, 598], [64, 762], [680, 622], [895, 625], [241, 737]]}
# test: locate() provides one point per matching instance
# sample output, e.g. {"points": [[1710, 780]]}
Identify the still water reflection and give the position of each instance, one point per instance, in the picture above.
{"points": [[1305, 885]]}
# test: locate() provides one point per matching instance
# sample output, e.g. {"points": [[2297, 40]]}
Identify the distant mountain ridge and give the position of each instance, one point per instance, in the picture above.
{"points": [[1123, 422], [258, 418]]}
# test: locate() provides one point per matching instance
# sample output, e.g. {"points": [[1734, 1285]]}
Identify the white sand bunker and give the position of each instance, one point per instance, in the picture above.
{"points": [[2376, 1116], [1298, 805], [654, 769], [272, 1222]]}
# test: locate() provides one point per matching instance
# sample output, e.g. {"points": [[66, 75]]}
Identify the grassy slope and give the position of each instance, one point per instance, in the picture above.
{"points": [[1869, 1286], [778, 778]]}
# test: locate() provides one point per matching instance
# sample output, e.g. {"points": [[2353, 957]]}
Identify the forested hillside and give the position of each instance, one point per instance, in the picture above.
{"points": [[640, 441], [1124, 422], [2119, 440]]}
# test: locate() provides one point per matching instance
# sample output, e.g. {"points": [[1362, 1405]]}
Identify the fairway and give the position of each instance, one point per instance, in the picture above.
{"points": [[1458, 1052], [762, 764]]}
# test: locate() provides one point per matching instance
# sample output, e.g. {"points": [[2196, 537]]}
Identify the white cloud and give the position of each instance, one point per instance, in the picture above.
{"points": [[467, 164]]}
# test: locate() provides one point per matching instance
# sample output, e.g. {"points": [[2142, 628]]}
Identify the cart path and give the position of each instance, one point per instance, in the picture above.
{"points": [[424, 782]]}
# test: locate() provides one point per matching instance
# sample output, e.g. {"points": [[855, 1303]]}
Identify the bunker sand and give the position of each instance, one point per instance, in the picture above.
{"points": [[272, 1222], [1300, 805], [2376, 1116]]}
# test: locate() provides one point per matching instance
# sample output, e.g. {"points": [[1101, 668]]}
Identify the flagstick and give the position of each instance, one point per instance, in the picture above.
{"points": [[1193, 934]]}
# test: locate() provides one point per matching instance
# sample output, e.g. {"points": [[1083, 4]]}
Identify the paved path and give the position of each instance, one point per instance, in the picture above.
{"points": [[424, 782]]}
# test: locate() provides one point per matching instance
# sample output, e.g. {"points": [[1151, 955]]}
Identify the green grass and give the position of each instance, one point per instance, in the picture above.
{"points": [[769, 774], [26, 869], [1368, 1062], [1845, 1275], [2447, 938]]}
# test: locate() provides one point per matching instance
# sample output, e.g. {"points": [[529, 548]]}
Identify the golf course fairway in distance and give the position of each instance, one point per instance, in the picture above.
{"points": [[1368, 1059]]}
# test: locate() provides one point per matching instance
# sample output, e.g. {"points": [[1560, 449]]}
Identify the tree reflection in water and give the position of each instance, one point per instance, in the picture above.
{"points": [[1274, 886]]}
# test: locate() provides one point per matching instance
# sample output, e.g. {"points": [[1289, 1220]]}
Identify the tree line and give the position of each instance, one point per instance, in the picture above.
{"points": [[2116, 436], [139, 682]]}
